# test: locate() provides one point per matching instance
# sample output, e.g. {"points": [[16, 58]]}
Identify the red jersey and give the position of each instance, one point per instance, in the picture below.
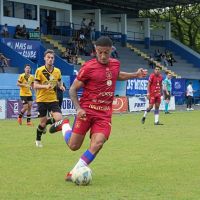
{"points": [[155, 84], [98, 91]]}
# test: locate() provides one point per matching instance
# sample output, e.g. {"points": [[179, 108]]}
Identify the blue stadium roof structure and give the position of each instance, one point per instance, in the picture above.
{"points": [[125, 6]]}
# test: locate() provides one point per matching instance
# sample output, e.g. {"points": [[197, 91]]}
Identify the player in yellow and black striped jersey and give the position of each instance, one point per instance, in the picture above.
{"points": [[25, 82], [47, 79]]}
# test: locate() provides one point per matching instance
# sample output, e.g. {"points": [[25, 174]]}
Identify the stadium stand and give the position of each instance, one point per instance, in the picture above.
{"points": [[131, 56]]}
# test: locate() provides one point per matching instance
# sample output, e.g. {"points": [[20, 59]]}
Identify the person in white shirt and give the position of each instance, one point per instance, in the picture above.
{"points": [[4, 31], [189, 95]]}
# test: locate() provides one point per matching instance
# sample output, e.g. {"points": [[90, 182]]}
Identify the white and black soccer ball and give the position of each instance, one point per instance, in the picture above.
{"points": [[82, 176]]}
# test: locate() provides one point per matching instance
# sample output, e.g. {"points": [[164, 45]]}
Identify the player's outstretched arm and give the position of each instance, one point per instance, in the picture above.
{"points": [[140, 73], [74, 97]]}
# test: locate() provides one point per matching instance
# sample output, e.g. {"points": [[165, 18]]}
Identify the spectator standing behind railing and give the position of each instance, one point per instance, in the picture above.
{"points": [[83, 26], [91, 26], [4, 31], [24, 32], [114, 53]]}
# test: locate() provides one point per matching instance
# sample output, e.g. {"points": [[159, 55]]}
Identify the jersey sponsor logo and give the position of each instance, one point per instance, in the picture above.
{"points": [[103, 108], [108, 94], [109, 82]]}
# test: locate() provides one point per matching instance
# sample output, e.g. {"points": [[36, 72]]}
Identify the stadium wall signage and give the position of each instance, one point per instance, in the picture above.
{"points": [[2, 109], [120, 105], [26, 48]]}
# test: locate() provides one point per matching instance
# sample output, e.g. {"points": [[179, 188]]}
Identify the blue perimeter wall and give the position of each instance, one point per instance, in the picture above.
{"points": [[10, 90]]}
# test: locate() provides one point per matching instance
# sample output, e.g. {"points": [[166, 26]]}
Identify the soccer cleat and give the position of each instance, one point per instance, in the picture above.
{"points": [[168, 112], [158, 123], [19, 119], [57, 126], [68, 177], [143, 120], [29, 124], [38, 144]]}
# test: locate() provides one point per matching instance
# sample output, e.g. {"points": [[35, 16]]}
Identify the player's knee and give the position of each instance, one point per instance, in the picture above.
{"points": [[74, 147], [25, 106], [43, 124]]}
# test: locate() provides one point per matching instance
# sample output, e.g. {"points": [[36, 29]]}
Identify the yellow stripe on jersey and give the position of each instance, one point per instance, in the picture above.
{"points": [[44, 77], [28, 80]]}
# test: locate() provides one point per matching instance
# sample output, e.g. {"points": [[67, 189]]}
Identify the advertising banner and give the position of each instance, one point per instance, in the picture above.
{"points": [[178, 90], [171, 103], [136, 86], [68, 107], [26, 48], [14, 107], [120, 105], [141, 103], [2, 109], [178, 87], [137, 103]]}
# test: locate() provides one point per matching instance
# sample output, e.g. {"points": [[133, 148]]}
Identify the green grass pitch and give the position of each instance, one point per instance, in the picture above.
{"points": [[139, 162]]}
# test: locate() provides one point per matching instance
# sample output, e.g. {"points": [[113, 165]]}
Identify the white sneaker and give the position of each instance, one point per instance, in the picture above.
{"points": [[188, 109], [191, 108], [38, 143]]}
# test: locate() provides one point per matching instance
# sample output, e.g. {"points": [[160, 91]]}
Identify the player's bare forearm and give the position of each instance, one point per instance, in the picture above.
{"points": [[73, 92], [60, 85], [74, 97], [140, 73]]}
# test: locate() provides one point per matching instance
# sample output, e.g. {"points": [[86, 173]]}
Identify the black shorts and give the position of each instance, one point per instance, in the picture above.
{"points": [[45, 107], [167, 96], [26, 99]]}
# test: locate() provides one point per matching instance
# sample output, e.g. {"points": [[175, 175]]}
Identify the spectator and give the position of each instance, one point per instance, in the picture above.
{"points": [[150, 62], [75, 59], [24, 32], [37, 29], [170, 58], [157, 54], [164, 60], [189, 95], [3, 62], [18, 32], [82, 39], [4, 31], [83, 25], [114, 52], [91, 26], [66, 55]]}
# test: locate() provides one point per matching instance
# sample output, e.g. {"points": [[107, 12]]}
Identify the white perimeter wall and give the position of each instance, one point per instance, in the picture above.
{"points": [[63, 13]]}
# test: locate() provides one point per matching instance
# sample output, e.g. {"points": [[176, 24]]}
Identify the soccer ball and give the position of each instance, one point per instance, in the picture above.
{"points": [[82, 176]]}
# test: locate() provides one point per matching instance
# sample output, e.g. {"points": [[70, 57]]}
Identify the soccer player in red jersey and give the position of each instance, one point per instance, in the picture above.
{"points": [[154, 91], [98, 79]]}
